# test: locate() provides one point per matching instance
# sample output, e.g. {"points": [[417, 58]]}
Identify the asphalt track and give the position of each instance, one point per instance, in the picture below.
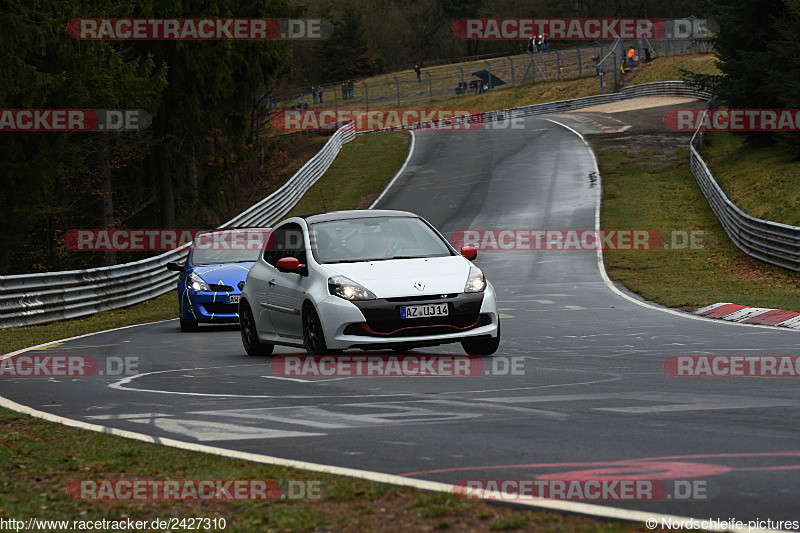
{"points": [[593, 400]]}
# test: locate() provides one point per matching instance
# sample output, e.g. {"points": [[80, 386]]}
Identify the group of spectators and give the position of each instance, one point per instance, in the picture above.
{"points": [[347, 90], [539, 43]]}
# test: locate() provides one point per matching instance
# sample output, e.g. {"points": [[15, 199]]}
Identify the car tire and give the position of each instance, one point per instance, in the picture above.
{"points": [[313, 336], [189, 325], [484, 346], [247, 325]]}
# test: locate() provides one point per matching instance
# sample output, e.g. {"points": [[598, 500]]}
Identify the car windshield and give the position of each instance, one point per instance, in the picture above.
{"points": [[217, 247], [375, 239]]}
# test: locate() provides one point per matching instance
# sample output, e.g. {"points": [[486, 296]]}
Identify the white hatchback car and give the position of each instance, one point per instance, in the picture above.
{"points": [[365, 279]]}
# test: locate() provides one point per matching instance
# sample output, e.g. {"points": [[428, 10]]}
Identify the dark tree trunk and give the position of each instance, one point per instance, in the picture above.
{"points": [[191, 175], [166, 197], [104, 169]]}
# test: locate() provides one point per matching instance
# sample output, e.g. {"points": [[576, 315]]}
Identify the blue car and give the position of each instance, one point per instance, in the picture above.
{"points": [[214, 273]]}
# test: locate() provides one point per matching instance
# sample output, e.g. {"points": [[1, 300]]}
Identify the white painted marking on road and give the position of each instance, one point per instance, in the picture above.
{"points": [[398, 173], [503, 315], [204, 431], [126, 416], [601, 263], [601, 511], [668, 402]]}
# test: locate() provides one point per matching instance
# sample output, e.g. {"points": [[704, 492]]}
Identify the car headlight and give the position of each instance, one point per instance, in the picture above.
{"points": [[476, 282], [348, 289], [196, 283]]}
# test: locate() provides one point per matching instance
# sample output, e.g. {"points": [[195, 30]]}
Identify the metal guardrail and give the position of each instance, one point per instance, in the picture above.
{"points": [[658, 88], [30, 299], [771, 242]]}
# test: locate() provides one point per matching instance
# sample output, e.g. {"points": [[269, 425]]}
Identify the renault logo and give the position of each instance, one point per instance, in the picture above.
{"points": [[419, 286]]}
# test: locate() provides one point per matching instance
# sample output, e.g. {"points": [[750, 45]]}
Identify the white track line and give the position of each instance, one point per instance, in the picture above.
{"points": [[602, 268], [600, 511], [398, 173]]}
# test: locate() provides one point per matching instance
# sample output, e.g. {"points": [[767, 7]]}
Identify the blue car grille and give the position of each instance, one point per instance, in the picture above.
{"points": [[218, 308], [220, 288]]}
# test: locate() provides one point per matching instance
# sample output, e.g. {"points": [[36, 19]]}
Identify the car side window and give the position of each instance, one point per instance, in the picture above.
{"points": [[286, 241]]}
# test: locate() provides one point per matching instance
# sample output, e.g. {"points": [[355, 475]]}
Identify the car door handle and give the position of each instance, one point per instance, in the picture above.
{"points": [[271, 283]]}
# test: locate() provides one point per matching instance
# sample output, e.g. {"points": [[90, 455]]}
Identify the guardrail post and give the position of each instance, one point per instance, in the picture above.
{"points": [[335, 101], [397, 82], [490, 75], [366, 95], [616, 72], [558, 63], [430, 84]]}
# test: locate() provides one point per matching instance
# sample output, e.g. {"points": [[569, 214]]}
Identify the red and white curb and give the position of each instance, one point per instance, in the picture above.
{"points": [[751, 315]]}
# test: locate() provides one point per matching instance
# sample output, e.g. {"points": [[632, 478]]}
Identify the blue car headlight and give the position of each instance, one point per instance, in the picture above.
{"points": [[196, 283]]}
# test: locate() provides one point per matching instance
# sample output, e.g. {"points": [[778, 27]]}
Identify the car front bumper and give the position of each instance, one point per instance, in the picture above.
{"points": [[209, 306], [377, 323]]}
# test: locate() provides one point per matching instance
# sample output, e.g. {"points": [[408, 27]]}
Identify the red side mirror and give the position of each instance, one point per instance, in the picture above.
{"points": [[470, 252], [289, 264]]}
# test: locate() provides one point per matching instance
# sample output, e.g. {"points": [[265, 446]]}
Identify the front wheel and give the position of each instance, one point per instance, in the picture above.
{"points": [[247, 324], [313, 336], [482, 346]]}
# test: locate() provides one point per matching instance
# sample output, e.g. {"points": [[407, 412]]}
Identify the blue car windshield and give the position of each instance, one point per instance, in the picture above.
{"points": [[227, 247]]}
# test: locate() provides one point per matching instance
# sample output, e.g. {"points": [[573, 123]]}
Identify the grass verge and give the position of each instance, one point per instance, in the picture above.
{"points": [[764, 181], [645, 189], [41, 459]]}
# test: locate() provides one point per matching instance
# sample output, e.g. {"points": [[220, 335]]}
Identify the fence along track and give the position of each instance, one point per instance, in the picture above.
{"points": [[31, 299]]}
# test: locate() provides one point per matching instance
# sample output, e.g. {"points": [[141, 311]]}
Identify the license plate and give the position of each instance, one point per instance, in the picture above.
{"points": [[423, 311], [234, 299]]}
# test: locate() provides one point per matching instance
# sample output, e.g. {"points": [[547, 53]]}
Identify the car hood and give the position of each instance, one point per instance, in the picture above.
{"points": [[396, 277], [223, 274]]}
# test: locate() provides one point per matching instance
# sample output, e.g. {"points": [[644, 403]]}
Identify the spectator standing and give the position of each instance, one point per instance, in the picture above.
{"points": [[320, 91], [344, 90], [350, 87], [546, 42], [417, 70], [532, 44], [314, 93], [632, 53]]}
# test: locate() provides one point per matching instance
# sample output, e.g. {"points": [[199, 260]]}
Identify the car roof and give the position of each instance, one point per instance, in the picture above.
{"points": [[355, 213]]}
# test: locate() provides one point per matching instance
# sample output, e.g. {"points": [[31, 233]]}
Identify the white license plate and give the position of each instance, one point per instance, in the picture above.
{"points": [[234, 299], [423, 311]]}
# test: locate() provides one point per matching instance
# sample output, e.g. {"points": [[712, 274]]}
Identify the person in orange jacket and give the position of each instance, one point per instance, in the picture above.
{"points": [[632, 53]]}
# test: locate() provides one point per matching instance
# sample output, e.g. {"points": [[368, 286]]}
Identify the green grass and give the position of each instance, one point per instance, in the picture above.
{"points": [[649, 190], [160, 308], [669, 68], [764, 181], [360, 171]]}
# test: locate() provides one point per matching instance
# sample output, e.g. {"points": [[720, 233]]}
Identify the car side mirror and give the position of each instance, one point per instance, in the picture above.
{"points": [[290, 264], [174, 266], [470, 252]]}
